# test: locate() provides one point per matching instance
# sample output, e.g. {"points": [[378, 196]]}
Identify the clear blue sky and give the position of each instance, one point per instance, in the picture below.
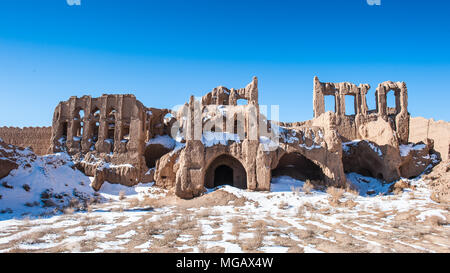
{"points": [[163, 51]]}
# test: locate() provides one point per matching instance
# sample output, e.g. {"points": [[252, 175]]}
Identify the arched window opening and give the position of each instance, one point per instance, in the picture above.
{"points": [[169, 120], [79, 123], [111, 121], [126, 133], [95, 130], [95, 115]]}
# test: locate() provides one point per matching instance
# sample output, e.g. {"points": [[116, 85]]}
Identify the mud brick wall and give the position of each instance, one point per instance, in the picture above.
{"points": [[38, 138], [439, 131]]}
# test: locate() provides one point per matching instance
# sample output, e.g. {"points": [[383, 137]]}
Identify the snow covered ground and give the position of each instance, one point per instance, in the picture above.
{"points": [[287, 219], [43, 185]]}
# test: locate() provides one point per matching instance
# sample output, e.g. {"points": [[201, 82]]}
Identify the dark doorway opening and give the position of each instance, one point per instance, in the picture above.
{"points": [[298, 167], [64, 130], [223, 175]]}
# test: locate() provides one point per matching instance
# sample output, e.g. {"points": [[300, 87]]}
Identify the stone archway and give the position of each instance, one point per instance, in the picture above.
{"points": [[298, 167], [226, 170]]}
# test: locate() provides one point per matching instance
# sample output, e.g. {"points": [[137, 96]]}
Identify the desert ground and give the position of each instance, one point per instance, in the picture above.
{"points": [[294, 217]]}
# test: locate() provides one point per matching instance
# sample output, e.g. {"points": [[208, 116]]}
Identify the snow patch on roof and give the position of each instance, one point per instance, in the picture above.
{"points": [[210, 139], [406, 149], [164, 140], [268, 143], [346, 146]]}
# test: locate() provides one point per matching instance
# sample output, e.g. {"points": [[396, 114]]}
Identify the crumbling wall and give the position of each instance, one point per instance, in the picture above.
{"points": [[193, 168], [38, 138], [422, 129], [106, 135], [115, 138], [224, 96], [348, 126], [108, 124], [383, 129]]}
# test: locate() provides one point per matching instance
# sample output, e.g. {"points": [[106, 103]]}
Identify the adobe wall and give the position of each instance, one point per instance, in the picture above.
{"points": [[110, 123], [422, 128], [38, 138], [192, 168], [107, 135], [115, 138], [349, 126]]}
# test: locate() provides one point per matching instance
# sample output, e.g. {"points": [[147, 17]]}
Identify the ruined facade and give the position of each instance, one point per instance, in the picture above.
{"points": [[384, 128], [349, 126], [226, 138], [245, 159], [106, 135]]}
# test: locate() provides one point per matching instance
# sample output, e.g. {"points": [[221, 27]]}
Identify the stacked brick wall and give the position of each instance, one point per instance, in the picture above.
{"points": [[38, 138]]}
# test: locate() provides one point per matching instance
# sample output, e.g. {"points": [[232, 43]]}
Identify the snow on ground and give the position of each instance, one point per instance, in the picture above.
{"points": [[367, 186], [145, 218], [41, 184], [114, 191]]}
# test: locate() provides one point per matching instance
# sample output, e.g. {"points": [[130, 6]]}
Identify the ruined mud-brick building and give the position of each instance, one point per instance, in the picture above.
{"points": [[107, 136], [225, 138]]}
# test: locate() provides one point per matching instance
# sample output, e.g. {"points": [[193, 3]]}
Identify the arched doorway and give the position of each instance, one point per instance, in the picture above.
{"points": [[298, 167], [226, 170]]}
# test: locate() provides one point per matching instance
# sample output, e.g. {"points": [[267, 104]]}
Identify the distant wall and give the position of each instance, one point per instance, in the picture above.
{"points": [[38, 138], [420, 129]]}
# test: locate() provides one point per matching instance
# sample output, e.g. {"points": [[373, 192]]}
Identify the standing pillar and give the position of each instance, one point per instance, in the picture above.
{"points": [[318, 98]]}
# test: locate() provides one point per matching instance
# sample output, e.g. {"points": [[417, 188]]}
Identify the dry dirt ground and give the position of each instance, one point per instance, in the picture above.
{"points": [[148, 219]]}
